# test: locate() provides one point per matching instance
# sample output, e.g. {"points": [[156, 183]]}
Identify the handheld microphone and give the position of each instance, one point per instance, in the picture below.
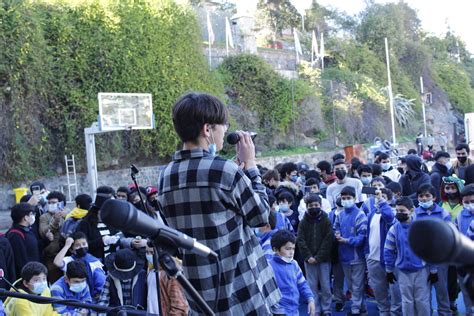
{"points": [[437, 241], [124, 216], [234, 138]]}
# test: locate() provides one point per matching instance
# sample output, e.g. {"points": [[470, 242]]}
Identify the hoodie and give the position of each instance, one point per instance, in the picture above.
{"points": [[438, 171], [413, 178]]}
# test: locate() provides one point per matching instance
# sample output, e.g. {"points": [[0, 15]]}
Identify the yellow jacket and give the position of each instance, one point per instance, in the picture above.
{"points": [[21, 307], [77, 213]]}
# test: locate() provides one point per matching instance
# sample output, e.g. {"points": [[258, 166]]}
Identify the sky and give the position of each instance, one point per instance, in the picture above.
{"points": [[435, 15]]}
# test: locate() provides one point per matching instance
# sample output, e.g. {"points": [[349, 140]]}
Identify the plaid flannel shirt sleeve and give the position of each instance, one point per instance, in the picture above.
{"points": [[251, 197], [105, 295]]}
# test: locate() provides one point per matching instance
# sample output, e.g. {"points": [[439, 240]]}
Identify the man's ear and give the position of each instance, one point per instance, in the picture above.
{"points": [[206, 130]]}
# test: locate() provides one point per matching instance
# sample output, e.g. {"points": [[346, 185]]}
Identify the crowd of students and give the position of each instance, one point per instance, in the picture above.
{"points": [[351, 222], [72, 255], [342, 225]]}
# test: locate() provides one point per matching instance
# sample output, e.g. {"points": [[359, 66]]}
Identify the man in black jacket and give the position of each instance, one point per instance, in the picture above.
{"points": [[413, 178], [441, 168]]}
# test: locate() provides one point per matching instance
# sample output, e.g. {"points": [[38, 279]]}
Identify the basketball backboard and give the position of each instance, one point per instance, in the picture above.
{"points": [[120, 111]]}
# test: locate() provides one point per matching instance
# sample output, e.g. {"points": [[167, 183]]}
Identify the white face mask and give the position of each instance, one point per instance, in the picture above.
{"points": [[212, 145], [78, 287], [149, 258], [53, 207], [31, 219], [39, 287], [469, 206], [347, 203], [286, 259]]}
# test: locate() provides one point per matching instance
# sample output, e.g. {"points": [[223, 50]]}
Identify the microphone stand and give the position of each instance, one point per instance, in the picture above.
{"points": [[169, 266], [38, 299], [133, 174]]}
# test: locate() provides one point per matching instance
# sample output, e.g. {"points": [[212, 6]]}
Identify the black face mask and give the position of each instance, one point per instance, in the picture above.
{"points": [[462, 159], [154, 203], [451, 196], [314, 211], [402, 217], [81, 252], [341, 174], [138, 205]]}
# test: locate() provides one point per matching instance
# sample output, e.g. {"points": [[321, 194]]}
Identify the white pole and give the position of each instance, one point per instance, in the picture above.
{"points": [[322, 50], [423, 104], [89, 134], [390, 95], [210, 54], [226, 42], [302, 22]]}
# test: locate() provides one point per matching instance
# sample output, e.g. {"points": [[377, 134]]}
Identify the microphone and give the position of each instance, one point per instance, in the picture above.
{"points": [[234, 138], [437, 241], [124, 216], [2, 277]]}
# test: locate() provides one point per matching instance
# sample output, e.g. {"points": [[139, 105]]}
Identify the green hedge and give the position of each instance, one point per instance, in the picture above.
{"points": [[456, 82], [255, 86], [55, 58]]}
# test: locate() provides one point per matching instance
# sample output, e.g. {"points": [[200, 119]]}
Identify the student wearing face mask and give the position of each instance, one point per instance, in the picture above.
{"points": [[285, 202], [333, 191], [78, 246], [289, 176], [33, 281], [404, 267], [451, 200], [465, 223], [72, 286], [314, 242], [463, 160], [350, 230], [387, 169], [441, 168], [50, 226], [22, 239], [288, 274], [380, 218], [427, 208], [413, 178]]}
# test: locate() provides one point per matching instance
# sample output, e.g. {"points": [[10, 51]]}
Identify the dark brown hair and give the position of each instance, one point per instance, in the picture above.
{"points": [[195, 109]]}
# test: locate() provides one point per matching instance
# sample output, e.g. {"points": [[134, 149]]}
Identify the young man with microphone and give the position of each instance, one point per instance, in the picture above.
{"points": [[218, 202]]}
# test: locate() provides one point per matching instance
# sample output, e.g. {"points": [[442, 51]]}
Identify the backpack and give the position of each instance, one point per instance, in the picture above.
{"points": [[14, 231], [69, 227]]}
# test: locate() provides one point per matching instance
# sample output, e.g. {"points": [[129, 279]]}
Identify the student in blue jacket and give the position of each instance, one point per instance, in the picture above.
{"points": [[265, 233], [427, 208], [402, 265], [351, 230], [72, 286], [465, 222], [288, 275], [380, 218]]}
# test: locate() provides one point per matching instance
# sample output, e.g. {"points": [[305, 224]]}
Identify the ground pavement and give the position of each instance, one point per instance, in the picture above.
{"points": [[372, 307]]}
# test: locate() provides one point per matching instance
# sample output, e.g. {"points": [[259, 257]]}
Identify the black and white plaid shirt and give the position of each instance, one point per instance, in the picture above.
{"points": [[212, 200]]}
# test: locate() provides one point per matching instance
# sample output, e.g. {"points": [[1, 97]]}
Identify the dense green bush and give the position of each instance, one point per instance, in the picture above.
{"points": [[255, 86], [55, 58], [456, 82]]}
